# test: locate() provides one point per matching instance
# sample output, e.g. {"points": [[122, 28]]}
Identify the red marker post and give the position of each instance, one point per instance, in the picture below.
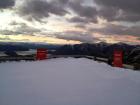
{"points": [[118, 58], [41, 54]]}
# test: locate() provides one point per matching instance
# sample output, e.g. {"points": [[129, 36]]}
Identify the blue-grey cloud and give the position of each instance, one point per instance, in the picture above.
{"points": [[88, 12], [77, 36], [39, 9], [78, 19], [119, 10], [4, 4], [21, 28], [112, 29]]}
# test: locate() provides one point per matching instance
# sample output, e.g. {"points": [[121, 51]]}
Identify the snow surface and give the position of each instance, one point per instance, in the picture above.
{"points": [[67, 82]]}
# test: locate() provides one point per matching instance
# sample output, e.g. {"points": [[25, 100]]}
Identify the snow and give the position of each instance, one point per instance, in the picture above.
{"points": [[67, 81], [30, 52], [2, 54]]}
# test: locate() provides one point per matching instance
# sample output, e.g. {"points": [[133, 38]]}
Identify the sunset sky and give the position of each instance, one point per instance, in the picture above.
{"points": [[70, 21]]}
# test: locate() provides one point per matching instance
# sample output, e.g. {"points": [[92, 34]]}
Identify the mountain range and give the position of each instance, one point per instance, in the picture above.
{"points": [[131, 53]]}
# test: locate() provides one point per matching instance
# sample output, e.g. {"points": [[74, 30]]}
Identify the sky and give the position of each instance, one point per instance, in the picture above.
{"points": [[70, 21]]}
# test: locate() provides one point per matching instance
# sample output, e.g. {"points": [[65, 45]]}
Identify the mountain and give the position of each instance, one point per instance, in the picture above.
{"points": [[105, 50], [102, 49], [15, 46], [134, 55]]}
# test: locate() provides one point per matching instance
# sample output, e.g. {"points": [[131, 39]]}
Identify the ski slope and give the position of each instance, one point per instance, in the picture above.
{"points": [[67, 81]]}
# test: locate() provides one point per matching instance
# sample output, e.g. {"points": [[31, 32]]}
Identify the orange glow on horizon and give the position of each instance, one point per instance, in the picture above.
{"points": [[39, 39], [53, 40]]}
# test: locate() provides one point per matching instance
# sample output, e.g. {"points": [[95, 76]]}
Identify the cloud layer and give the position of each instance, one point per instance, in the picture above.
{"points": [[112, 29], [104, 17], [111, 10], [119, 10], [39, 9], [6, 4]]}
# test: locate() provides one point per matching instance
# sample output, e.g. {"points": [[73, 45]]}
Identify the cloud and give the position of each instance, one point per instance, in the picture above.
{"points": [[63, 1], [13, 23], [39, 9], [88, 12], [130, 6], [119, 10], [82, 15], [82, 26], [21, 28], [77, 19], [7, 38], [112, 29], [111, 10], [138, 38], [25, 29], [4, 4], [77, 36], [7, 32]]}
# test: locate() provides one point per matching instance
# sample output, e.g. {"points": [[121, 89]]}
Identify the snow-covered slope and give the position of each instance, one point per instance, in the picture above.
{"points": [[67, 82]]}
